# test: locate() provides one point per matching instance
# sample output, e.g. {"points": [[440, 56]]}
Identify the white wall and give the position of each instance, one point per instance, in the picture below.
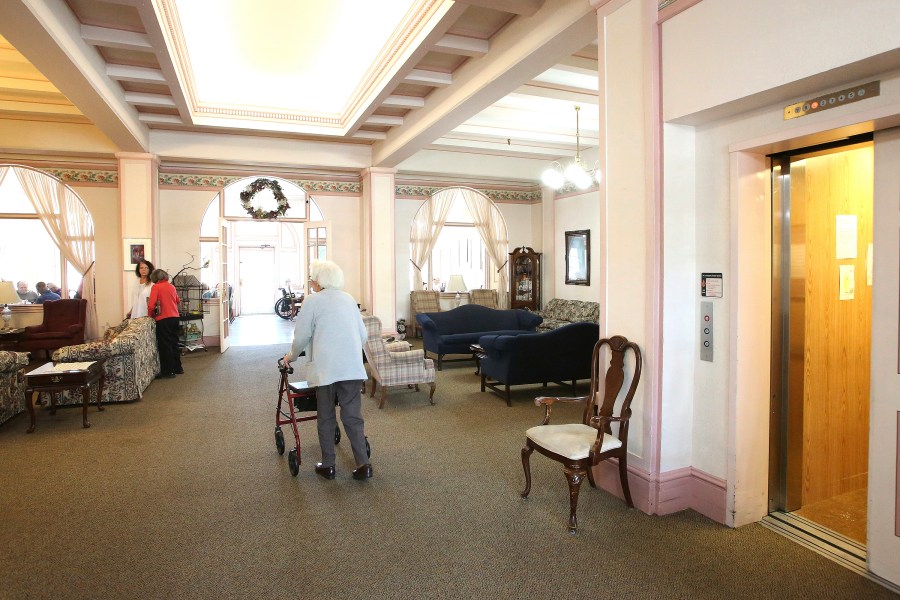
{"points": [[726, 42], [180, 214], [103, 204], [575, 213], [883, 543], [342, 213], [680, 290]]}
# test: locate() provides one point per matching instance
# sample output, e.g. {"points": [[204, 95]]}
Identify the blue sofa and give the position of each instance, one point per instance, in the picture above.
{"points": [[454, 331], [561, 355]]}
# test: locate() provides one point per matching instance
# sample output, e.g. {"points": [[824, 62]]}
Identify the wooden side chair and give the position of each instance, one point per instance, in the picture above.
{"points": [[582, 446], [422, 301], [392, 368]]}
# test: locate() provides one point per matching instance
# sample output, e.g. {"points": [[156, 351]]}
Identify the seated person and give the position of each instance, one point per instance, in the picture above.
{"points": [[54, 288], [45, 294], [24, 293]]}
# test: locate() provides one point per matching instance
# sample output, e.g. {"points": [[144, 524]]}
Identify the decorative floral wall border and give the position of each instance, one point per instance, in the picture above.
{"points": [[310, 185], [83, 175], [425, 191]]}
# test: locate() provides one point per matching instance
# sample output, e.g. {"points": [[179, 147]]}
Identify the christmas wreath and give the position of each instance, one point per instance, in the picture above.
{"points": [[260, 212]]}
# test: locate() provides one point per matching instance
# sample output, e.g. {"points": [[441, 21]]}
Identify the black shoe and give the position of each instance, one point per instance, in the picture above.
{"points": [[179, 372], [323, 471], [166, 376], [363, 472]]}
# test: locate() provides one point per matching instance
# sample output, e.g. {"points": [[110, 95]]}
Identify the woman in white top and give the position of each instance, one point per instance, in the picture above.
{"points": [[141, 290]]}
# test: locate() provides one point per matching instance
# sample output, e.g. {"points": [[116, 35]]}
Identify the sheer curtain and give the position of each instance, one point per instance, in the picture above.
{"points": [[425, 229], [492, 229], [3, 172], [70, 226]]}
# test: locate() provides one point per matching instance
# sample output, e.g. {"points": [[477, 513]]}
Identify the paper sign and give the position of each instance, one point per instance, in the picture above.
{"points": [[711, 285], [848, 282], [845, 237]]}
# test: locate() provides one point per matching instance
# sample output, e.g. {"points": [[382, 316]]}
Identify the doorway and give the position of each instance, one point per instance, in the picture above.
{"points": [[821, 336], [256, 277]]}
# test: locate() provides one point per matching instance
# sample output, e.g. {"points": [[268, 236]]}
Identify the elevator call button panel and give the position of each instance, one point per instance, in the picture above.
{"points": [[832, 100], [706, 331]]}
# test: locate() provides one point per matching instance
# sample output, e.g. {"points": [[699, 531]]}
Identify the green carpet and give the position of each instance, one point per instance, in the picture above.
{"points": [[183, 495]]}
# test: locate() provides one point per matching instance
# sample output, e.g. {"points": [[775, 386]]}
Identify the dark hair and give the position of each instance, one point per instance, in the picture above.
{"points": [[137, 267], [159, 275]]}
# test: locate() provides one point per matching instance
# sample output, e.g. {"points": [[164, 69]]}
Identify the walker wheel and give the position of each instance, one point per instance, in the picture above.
{"points": [[368, 448], [279, 440], [293, 462], [337, 434]]}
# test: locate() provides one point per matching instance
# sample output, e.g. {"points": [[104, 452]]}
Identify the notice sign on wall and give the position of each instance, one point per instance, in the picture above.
{"points": [[711, 285]]}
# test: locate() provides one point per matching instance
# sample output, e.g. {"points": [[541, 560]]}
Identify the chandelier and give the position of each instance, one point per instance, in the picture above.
{"points": [[577, 173]]}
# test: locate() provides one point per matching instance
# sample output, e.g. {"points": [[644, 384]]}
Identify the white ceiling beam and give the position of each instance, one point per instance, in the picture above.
{"points": [[142, 99], [160, 119], [518, 7], [384, 120], [465, 46], [435, 78], [525, 48], [49, 36], [37, 108], [579, 64], [135, 74], [543, 90], [404, 101], [362, 134], [115, 38]]}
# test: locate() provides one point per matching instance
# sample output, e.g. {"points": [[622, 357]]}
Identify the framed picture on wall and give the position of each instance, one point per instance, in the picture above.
{"points": [[578, 257], [135, 250]]}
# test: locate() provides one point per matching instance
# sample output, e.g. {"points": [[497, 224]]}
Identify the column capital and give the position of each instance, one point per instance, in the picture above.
{"points": [[377, 171], [137, 156]]}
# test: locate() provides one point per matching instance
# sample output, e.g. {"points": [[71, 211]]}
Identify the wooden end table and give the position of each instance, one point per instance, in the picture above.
{"points": [[477, 353], [9, 338], [48, 378]]}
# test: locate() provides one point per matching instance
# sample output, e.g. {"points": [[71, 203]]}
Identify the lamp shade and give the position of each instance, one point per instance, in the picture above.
{"points": [[8, 293], [456, 284]]}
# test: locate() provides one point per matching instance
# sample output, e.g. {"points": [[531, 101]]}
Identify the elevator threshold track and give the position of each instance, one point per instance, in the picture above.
{"points": [[842, 550]]}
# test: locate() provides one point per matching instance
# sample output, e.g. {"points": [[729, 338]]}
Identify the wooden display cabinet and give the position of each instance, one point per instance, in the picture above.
{"points": [[525, 278]]}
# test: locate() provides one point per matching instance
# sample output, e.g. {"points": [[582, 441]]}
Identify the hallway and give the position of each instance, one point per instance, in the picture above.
{"points": [[261, 330]]}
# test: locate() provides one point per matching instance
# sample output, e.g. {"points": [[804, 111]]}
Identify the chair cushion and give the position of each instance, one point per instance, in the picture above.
{"points": [[572, 440]]}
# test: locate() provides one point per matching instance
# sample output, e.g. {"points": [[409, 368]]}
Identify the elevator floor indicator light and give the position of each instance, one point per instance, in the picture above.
{"points": [[832, 100]]}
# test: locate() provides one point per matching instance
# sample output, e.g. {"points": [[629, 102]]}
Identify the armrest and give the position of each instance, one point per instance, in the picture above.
{"points": [[549, 401], [34, 329], [73, 329], [426, 323], [407, 357]]}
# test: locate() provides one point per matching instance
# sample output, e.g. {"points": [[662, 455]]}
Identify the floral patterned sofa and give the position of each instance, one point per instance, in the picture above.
{"points": [[12, 384], [559, 312], [132, 360]]}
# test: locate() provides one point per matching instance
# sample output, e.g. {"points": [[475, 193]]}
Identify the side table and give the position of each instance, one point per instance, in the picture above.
{"points": [[53, 379], [9, 338], [477, 353]]}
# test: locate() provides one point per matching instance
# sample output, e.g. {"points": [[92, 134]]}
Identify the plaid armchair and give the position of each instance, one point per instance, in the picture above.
{"points": [[395, 368], [484, 298], [12, 384], [422, 301]]}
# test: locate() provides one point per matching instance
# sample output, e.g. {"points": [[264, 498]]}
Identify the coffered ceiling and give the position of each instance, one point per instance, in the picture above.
{"points": [[489, 77]]}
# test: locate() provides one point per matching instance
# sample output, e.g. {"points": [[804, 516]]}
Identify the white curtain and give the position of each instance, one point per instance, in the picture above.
{"points": [[3, 172], [491, 227], [426, 227], [70, 226]]}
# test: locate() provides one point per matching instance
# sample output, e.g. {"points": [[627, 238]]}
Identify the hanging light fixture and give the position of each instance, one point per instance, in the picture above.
{"points": [[576, 173]]}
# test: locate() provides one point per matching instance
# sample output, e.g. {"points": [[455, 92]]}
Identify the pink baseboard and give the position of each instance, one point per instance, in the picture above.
{"points": [[676, 490]]}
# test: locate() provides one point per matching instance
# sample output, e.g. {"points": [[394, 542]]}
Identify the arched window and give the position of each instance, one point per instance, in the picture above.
{"points": [[459, 232], [46, 234]]}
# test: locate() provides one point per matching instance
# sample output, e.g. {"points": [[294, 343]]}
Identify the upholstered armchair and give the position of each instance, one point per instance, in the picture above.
{"points": [[484, 298], [395, 368], [422, 301], [12, 384], [63, 326]]}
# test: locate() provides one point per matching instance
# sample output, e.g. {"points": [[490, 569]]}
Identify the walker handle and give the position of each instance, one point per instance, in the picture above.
{"points": [[284, 368]]}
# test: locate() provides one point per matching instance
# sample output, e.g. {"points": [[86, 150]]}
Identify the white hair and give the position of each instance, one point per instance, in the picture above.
{"points": [[327, 274]]}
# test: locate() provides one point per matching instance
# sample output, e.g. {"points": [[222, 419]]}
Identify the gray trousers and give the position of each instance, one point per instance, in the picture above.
{"points": [[347, 394]]}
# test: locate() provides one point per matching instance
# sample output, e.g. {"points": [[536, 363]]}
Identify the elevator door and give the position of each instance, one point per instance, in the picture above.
{"points": [[822, 234]]}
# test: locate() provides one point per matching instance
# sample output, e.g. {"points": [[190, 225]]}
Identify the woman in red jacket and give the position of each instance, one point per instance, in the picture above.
{"points": [[167, 323]]}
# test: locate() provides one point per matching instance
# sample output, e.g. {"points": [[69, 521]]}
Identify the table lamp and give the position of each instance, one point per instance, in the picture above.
{"points": [[457, 285]]}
